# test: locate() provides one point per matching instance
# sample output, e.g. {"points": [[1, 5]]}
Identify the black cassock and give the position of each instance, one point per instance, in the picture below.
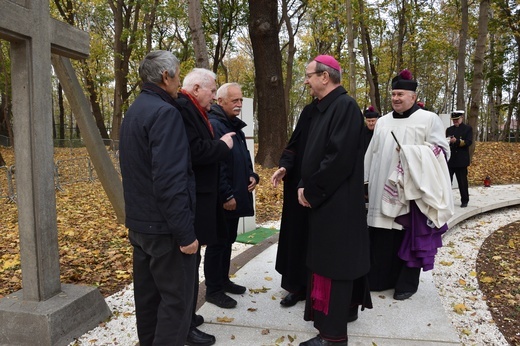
{"points": [[292, 243], [332, 178]]}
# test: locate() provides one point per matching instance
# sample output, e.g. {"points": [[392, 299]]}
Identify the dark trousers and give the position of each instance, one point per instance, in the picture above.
{"points": [[218, 259], [333, 325], [387, 270], [461, 173], [163, 289]]}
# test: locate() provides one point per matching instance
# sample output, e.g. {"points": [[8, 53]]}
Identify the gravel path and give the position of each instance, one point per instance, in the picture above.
{"points": [[461, 246], [455, 277]]}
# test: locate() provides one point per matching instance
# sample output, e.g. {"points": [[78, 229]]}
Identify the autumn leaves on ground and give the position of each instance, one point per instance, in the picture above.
{"points": [[94, 249]]}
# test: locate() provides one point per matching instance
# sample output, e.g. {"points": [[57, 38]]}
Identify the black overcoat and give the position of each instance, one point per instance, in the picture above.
{"points": [[206, 152], [158, 182], [237, 168], [332, 176], [460, 148], [292, 242]]}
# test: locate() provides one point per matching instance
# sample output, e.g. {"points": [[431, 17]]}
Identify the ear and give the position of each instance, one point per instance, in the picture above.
{"points": [[326, 77], [165, 77]]}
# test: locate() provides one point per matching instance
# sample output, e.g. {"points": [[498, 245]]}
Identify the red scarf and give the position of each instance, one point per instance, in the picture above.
{"points": [[201, 110]]}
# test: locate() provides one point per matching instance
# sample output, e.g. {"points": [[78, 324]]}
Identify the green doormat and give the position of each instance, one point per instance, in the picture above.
{"points": [[256, 236]]}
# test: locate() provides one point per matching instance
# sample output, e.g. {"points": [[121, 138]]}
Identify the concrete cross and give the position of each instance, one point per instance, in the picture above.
{"points": [[54, 313]]}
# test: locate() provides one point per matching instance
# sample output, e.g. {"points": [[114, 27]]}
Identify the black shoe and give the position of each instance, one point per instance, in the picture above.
{"points": [[199, 338], [221, 300], [403, 295], [231, 287], [292, 298], [197, 320], [464, 204], [318, 341], [352, 314]]}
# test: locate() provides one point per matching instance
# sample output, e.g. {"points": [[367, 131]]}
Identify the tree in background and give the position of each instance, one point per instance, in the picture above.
{"points": [[197, 34], [504, 14], [461, 56], [127, 36], [292, 13], [272, 119], [478, 64], [6, 129]]}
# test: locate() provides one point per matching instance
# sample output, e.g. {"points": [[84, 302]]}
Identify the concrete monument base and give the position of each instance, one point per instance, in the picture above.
{"points": [[55, 321]]}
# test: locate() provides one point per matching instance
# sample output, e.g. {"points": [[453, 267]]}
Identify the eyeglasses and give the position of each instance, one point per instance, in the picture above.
{"points": [[309, 75]]}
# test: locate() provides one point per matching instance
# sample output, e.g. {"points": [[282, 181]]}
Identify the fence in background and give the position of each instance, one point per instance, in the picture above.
{"points": [[7, 187], [66, 171]]}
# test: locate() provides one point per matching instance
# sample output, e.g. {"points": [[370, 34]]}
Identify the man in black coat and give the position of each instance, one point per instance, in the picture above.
{"points": [[294, 226], [159, 192], [237, 182], [197, 93], [331, 187], [371, 117], [461, 137]]}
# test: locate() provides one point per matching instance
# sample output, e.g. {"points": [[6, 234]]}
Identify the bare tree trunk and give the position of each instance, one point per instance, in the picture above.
{"points": [[351, 51], [272, 120], [461, 59], [5, 99], [367, 58], [61, 116], [507, 15], [291, 51], [94, 101], [478, 65], [197, 34], [505, 134], [126, 20], [402, 29], [149, 20]]}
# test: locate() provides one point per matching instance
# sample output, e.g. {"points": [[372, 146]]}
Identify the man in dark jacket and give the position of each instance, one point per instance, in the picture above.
{"points": [[197, 93], [294, 226], [237, 182], [461, 137], [371, 117], [159, 192], [332, 187]]}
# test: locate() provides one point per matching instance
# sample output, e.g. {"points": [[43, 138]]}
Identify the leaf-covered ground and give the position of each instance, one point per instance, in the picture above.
{"points": [[94, 248], [498, 268]]}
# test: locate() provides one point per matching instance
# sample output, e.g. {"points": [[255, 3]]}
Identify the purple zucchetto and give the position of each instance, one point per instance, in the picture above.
{"points": [[329, 61]]}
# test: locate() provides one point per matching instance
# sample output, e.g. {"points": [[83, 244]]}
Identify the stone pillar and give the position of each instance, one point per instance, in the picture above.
{"points": [[247, 224]]}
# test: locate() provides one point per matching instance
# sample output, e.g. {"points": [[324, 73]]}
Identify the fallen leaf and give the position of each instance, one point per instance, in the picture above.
{"points": [[280, 339], [460, 308], [225, 319]]}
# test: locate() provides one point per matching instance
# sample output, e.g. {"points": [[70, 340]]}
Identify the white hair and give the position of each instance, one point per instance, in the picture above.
{"points": [[198, 76]]}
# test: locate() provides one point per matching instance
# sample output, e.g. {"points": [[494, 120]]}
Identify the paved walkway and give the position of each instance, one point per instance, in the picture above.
{"points": [[260, 320]]}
